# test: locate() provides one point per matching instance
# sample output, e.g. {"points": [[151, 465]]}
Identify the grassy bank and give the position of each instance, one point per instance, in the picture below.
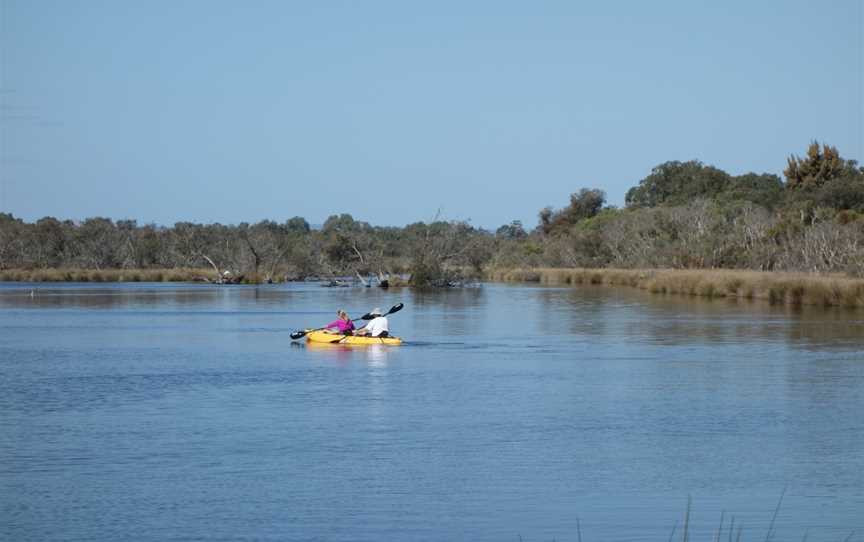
{"points": [[775, 287], [106, 275]]}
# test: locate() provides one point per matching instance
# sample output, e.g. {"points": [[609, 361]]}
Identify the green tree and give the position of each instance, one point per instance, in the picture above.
{"points": [[676, 183], [513, 230], [99, 243], [48, 242], [820, 166], [584, 204], [297, 224], [11, 241], [150, 244], [822, 180], [765, 190]]}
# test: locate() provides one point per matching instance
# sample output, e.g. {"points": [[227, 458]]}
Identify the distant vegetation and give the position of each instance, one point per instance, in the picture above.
{"points": [[686, 215], [683, 215], [782, 288]]}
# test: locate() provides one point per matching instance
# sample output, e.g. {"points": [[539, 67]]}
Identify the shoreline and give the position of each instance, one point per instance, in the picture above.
{"points": [[107, 275], [776, 287]]}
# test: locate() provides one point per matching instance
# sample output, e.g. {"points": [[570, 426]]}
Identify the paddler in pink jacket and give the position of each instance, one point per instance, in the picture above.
{"points": [[343, 324]]}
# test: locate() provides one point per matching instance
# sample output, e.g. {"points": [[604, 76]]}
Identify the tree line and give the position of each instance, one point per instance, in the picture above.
{"points": [[682, 215], [262, 252], [693, 216]]}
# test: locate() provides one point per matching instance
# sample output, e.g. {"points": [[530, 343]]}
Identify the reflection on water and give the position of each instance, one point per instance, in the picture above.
{"points": [[464, 311], [375, 355], [681, 320], [137, 296], [156, 411], [598, 311]]}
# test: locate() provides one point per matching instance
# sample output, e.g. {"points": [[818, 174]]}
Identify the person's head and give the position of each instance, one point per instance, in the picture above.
{"points": [[376, 312], [342, 314]]}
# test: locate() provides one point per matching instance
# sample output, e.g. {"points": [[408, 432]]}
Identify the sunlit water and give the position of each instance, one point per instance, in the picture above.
{"points": [[168, 412]]}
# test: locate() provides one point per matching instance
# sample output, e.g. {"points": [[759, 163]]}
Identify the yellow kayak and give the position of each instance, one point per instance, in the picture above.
{"points": [[335, 338]]}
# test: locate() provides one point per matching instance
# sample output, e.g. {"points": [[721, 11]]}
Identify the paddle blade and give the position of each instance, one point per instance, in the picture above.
{"points": [[298, 335], [395, 308]]}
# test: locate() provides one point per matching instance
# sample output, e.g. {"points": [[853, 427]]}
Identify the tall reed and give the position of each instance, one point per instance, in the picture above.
{"points": [[106, 275], [775, 287]]}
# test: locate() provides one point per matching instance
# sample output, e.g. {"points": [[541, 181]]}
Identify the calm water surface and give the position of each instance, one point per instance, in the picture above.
{"points": [[169, 412]]}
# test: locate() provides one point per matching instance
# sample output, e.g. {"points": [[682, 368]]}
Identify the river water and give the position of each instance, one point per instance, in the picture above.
{"points": [[181, 412]]}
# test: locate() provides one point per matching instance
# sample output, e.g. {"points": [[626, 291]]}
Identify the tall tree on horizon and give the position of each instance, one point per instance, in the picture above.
{"points": [[820, 166]]}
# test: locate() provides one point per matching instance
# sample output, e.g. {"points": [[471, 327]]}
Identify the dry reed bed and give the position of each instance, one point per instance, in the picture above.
{"points": [[105, 275], [775, 287]]}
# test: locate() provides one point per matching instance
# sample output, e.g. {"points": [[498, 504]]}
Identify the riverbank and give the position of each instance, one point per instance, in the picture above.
{"points": [[107, 275], [774, 287], [154, 275]]}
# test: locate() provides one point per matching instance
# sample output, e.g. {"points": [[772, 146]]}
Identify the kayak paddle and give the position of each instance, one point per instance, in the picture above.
{"points": [[302, 333]]}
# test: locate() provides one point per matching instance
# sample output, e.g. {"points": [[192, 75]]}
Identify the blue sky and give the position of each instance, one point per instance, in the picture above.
{"points": [[216, 111]]}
